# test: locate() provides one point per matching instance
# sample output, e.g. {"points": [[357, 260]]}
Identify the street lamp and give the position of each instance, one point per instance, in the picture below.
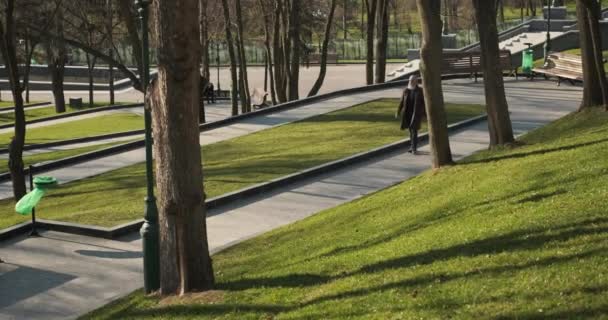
{"points": [[149, 230], [548, 41]]}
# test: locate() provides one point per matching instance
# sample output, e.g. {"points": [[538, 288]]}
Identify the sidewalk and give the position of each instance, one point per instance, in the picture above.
{"points": [[244, 127], [63, 276]]}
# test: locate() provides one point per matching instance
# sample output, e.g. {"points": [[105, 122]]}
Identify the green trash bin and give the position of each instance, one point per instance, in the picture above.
{"points": [[527, 63]]}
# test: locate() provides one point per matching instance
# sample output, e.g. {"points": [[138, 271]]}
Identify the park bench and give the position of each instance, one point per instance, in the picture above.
{"points": [[259, 98], [561, 66], [315, 58], [470, 63]]}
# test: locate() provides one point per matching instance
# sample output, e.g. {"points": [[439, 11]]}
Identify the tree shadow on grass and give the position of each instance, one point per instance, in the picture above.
{"points": [[190, 310], [537, 152]]}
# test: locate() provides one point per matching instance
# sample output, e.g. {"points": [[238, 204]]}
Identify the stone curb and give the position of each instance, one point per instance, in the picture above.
{"points": [[124, 229], [26, 106]]}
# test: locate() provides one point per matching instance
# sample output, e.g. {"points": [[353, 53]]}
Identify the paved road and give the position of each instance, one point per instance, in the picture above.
{"points": [[247, 126], [62, 276]]}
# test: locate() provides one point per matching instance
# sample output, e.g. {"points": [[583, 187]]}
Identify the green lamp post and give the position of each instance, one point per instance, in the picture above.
{"points": [[149, 230], [548, 41]]}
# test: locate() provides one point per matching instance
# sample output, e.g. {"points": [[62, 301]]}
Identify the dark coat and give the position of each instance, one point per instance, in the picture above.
{"points": [[412, 114]]}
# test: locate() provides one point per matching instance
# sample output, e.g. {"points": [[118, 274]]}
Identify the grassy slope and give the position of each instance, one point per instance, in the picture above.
{"points": [[31, 114], [111, 123], [56, 155], [519, 233], [116, 197]]}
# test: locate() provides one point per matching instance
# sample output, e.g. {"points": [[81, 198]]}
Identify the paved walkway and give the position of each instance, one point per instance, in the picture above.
{"points": [[247, 126], [63, 276], [214, 112]]}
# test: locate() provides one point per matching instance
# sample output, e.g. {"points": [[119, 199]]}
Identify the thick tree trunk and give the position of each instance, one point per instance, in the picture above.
{"points": [[323, 68], [499, 121], [8, 43], [370, 6], [594, 13], [382, 40], [592, 90], [185, 261], [229, 43], [431, 55], [294, 37]]}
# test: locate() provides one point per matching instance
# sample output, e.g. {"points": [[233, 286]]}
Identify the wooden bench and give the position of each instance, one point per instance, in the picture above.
{"points": [[561, 66], [259, 98], [470, 63]]}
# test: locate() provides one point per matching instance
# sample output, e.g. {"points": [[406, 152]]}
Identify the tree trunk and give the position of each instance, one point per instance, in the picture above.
{"points": [[8, 43], [30, 47], [244, 81], [269, 59], [229, 43], [91, 68], [126, 14], [110, 31], [499, 121], [184, 251], [294, 37], [431, 55], [370, 5], [205, 69], [278, 54], [57, 57], [594, 13], [323, 68], [593, 93], [382, 40]]}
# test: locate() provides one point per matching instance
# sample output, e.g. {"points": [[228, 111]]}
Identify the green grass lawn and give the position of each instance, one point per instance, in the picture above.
{"points": [[56, 155], [517, 233], [117, 197], [4, 104], [117, 122], [38, 113]]}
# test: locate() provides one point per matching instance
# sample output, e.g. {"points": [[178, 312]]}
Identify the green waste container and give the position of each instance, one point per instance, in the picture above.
{"points": [[527, 63]]}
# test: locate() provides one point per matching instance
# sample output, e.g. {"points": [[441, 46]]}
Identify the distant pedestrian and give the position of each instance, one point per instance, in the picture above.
{"points": [[210, 93], [412, 111]]}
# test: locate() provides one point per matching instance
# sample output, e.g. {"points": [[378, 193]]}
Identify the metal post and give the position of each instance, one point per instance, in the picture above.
{"points": [[149, 230], [548, 41], [34, 232], [217, 52]]}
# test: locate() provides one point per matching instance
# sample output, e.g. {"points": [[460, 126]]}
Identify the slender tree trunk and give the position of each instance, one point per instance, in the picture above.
{"points": [[499, 121], [294, 37], [229, 43], [370, 6], [8, 43], [30, 47], [382, 40], [244, 81], [184, 251], [205, 69], [278, 53], [431, 54], [110, 31], [594, 13], [57, 56], [273, 93], [323, 68], [126, 14], [91, 68], [592, 90]]}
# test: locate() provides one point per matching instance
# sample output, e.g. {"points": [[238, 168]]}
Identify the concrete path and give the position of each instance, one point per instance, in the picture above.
{"points": [[247, 126], [215, 112], [62, 276]]}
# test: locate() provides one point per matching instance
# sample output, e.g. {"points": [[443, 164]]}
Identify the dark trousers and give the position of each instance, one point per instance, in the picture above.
{"points": [[414, 139]]}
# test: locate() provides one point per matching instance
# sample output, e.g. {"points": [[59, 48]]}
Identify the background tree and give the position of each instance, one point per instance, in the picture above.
{"points": [[294, 27], [56, 52], [185, 261], [324, 48], [595, 90], [431, 54], [8, 45], [371, 7], [382, 39], [229, 44], [499, 121], [243, 79]]}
